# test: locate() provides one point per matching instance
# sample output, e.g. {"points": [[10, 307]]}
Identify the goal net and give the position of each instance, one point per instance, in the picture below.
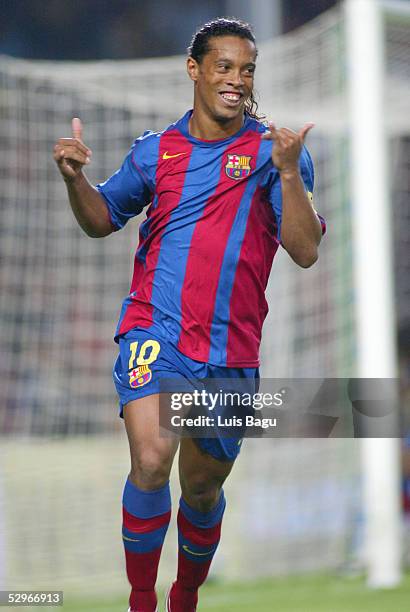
{"points": [[63, 452]]}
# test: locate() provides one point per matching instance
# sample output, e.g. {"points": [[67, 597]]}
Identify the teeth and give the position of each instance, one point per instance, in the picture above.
{"points": [[231, 97]]}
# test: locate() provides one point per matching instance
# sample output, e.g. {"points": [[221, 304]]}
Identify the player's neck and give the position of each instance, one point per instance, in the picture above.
{"points": [[206, 128]]}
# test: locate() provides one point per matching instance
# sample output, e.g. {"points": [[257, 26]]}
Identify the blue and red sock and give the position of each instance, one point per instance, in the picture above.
{"points": [[198, 538], [146, 516]]}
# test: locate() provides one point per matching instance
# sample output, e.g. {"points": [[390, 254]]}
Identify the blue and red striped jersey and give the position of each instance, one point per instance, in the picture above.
{"points": [[207, 244]]}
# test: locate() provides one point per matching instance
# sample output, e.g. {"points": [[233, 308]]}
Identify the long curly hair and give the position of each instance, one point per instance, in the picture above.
{"points": [[224, 26]]}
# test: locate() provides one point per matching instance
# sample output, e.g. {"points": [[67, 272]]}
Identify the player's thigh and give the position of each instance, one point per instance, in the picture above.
{"points": [[151, 454], [201, 475]]}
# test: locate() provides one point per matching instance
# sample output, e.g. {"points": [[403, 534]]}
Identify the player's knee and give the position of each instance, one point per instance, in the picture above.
{"points": [[150, 469], [201, 494]]}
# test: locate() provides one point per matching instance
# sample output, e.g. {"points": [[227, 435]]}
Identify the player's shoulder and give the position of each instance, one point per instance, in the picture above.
{"points": [[145, 150], [255, 126], [147, 142]]}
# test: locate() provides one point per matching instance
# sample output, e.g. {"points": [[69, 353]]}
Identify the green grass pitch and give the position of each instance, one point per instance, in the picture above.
{"points": [[295, 594]]}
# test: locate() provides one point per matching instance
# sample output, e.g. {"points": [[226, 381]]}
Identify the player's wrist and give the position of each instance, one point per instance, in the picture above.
{"points": [[289, 172], [77, 178]]}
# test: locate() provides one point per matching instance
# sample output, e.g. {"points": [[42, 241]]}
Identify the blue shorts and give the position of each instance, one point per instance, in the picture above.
{"points": [[146, 359]]}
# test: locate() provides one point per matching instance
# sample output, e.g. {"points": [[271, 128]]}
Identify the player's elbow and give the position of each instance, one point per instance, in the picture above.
{"points": [[308, 263], [304, 254], [97, 232], [306, 258]]}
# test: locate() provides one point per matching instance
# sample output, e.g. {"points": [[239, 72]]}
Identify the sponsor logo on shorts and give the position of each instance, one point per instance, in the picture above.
{"points": [[140, 376]]}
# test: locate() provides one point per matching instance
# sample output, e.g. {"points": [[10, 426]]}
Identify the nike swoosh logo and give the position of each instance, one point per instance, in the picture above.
{"points": [[166, 156], [130, 539], [185, 547]]}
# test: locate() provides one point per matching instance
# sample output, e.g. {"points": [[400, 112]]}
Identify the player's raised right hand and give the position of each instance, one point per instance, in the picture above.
{"points": [[71, 154]]}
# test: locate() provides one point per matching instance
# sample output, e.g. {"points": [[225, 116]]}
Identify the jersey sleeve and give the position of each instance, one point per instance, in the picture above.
{"points": [[129, 189], [275, 191]]}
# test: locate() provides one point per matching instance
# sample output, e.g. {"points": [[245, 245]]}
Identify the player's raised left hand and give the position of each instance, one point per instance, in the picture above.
{"points": [[287, 146]]}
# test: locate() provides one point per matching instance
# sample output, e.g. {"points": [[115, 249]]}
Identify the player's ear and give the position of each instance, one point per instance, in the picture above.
{"points": [[192, 68]]}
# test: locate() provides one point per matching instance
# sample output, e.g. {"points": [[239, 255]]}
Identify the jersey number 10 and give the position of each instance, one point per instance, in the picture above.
{"points": [[147, 354]]}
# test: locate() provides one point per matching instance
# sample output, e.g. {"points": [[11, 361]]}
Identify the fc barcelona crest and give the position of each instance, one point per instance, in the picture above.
{"points": [[140, 376], [238, 166]]}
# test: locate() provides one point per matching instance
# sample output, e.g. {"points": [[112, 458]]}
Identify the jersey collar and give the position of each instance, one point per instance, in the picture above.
{"points": [[183, 126]]}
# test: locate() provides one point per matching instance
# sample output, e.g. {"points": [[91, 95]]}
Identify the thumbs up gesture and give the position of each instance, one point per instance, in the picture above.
{"points": [[71, 154], [287, 145]]}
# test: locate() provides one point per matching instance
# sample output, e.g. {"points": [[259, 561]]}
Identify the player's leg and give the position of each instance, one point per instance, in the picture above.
{"points": [[200, 515], [143, 361], [146, 500]]}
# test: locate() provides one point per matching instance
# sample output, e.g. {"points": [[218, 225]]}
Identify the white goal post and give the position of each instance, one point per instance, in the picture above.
{"points": [[373, 275]]}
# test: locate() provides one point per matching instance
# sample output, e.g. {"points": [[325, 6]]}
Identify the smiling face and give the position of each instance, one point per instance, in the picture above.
{"points": [[223, 80]]}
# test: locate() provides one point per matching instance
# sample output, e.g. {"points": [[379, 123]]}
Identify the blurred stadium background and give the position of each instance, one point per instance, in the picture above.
{"points": [[63, 452]]}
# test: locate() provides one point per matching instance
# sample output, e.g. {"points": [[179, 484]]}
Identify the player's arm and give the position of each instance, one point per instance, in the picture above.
{"points": [[301, 229], [88, 205]]}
